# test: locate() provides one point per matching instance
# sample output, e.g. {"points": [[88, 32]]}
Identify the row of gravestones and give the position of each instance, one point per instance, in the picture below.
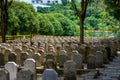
{"points": [[60, 59], [70, 46], [69, 50], [11, 71], [12, 57], [4, 58], [93, 61]]}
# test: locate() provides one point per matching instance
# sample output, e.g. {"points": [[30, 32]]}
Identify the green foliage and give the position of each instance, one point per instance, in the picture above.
{"points": [[60, 20], [45, 26], [68, 26], [24, 18], [56, 24], [113, 7], [64, 2]]}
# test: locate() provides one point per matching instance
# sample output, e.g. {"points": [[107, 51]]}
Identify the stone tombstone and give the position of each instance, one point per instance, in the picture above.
{"points": [[3, 49], [4, 74], [49, 56], [23, 57], [18, 51], [70, 70], [24, 47], [12, 57], [12, 68], [30, 52], [25, 75], [91, 61], [37, 58], [49, 74], [50, 64], [2, 59], [62, 59], [6, 53], [99, 59], [30, 64], [77, 58], [105, 57]]}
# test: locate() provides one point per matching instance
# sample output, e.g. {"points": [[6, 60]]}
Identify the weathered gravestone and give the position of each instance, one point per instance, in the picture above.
{"points": [[2, 59], [30, 64], [49, 74], [99, 59], [70, 70], [30, 52], [105, 58], [18, 51], [50, 56], [77, 58], [12, 68], [91, 61], [23, 57], [50, 64], [4, 74], [37, 58], [6, 53], [12, 57], [63, 57], [25, 75]]}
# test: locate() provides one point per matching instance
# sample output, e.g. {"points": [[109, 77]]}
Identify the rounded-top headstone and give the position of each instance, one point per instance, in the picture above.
{"points": [[70, 70], [49, 74], [12, 68]]}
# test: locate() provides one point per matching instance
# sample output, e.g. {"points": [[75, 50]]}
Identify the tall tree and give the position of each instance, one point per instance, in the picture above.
{"points": [[4, 5], [113, 8], [81, 15]]}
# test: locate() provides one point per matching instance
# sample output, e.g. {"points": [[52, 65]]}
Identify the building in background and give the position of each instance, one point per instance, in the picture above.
{"points": [[41, 3]]}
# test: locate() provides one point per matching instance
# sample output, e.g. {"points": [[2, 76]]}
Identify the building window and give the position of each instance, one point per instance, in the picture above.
{"points": [[40, 2], [56, 1], [33, 1], [48, 1]]}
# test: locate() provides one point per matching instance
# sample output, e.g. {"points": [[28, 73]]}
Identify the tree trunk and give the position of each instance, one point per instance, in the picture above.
{"points": [[81, 30], [4, 18]]}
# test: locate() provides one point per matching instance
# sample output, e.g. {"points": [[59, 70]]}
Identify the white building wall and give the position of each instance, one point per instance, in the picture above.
{"points": [[43, 1]]}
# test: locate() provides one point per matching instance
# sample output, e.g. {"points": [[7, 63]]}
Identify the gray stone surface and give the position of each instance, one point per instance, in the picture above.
{"points": [[30, 64], [62, 59], [70, 70], [77, 58], [12, 68], [91, 61], [24, 75], [99, 59], [49, 74], [4, 74], [23, 57]]}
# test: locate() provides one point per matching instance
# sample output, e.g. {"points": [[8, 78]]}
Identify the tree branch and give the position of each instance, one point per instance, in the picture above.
{"points": [[77, 12]]}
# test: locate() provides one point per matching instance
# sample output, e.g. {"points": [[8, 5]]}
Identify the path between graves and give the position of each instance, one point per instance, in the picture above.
{"points": [[110, 72]]}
